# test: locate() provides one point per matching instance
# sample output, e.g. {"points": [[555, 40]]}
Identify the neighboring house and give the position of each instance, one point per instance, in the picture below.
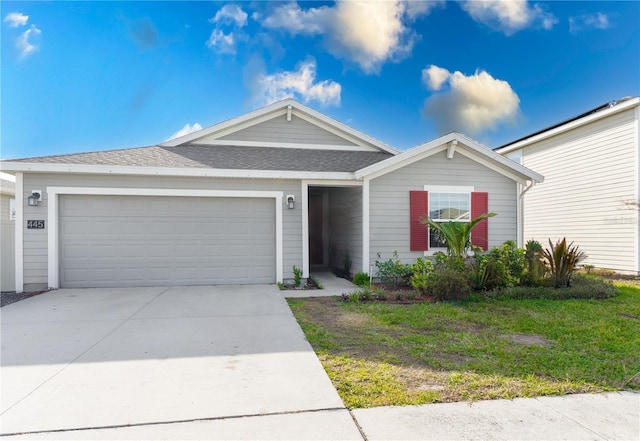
{"points": [[245, 200], [7, 238], [591, 188]]}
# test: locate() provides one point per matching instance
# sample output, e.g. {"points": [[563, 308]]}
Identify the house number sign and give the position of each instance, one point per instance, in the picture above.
{"points": [[35, 225]]}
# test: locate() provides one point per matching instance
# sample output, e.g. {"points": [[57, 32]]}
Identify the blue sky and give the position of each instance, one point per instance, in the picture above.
{"points": [[86, 76]]}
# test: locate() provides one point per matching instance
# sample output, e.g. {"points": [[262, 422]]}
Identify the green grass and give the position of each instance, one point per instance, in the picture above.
{"points": [[384, 354]]}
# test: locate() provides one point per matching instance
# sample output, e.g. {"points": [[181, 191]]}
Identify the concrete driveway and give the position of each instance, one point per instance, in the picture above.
{"points": [[214, 358]]}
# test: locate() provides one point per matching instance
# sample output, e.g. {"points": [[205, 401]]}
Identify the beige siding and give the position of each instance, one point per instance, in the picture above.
{"points": [[35, 241], [345, 219], [389, 201], [7, 246], [280, 130], [590, 177]]}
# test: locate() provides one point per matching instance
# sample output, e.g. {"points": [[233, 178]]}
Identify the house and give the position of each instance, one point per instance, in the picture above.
{"points": [[7, 231], [591, 188], [245, 200]]}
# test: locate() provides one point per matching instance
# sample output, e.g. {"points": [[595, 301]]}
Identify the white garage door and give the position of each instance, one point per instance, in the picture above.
{"points": [[112, 241]]}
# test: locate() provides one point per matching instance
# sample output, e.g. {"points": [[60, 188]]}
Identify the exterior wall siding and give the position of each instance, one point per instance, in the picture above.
{"points": [[280, 130], [345, 220], [389, 201], [7, 246], [590, 179], [35, 241]]}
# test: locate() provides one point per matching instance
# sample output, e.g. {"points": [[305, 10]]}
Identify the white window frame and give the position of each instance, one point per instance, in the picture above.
{"points": [[458, 189]]}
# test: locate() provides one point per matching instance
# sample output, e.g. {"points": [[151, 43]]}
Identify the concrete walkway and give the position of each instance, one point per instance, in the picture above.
{"points": [[229, 363], [205, 360], [611, 416], [332, 286]]}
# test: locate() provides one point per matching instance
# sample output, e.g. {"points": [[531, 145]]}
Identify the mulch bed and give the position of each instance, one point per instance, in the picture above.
{"points": [[7, 298]]}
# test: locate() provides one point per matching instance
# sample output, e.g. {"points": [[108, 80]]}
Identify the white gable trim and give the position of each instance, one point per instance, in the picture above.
{"points": [[465, 146], [19, 233], [570, 125], [282, 108], [52, 231]]}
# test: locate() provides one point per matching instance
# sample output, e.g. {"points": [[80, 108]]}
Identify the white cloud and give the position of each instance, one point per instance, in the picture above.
{"points": [[25, 43], [221, 42], [434, 77], [187, 129], [299, 84], [368, 33], [472, 104], [16, 19], [584, 22], [298, 21], [508, 16], [230, 14]]}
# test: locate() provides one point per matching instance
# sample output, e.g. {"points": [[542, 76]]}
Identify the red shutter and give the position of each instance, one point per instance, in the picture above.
{"points": [[419, 232], [479, 206]]}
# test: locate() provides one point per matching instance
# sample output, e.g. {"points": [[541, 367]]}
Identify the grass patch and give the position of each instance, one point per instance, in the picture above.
{"points": [[386, 354]]}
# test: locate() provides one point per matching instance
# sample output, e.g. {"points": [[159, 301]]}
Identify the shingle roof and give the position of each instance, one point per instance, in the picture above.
{"points": [[7, 187], [223, 157]]}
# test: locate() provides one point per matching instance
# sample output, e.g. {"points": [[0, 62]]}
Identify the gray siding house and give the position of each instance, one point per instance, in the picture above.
{"points": [[7, 235], [591, 165], [245, 200]]}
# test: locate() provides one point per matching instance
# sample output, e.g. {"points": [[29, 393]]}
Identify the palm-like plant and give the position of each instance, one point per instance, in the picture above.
{"points": [[562, 260], [457, 235]]}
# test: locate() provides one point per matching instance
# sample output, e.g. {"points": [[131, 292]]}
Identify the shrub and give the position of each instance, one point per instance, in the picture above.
{"points": [[478, 268], [421, 274], [392, 272], [450, 283], [583, 287], [361, 279], [535, 266], [505, 265], [297, 275], [562, 260]]}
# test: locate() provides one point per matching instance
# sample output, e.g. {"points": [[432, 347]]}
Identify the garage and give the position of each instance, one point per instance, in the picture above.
{"points": [[123, 241]]}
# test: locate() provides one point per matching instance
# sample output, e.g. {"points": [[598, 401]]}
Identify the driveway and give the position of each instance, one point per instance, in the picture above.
{"points": [[147, 357]]}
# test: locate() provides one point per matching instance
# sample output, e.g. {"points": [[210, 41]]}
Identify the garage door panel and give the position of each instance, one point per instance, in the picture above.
{"points": [[147, 241]]}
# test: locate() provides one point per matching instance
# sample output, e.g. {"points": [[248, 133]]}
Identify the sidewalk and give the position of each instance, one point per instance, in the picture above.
{"points": [[611, 416]]}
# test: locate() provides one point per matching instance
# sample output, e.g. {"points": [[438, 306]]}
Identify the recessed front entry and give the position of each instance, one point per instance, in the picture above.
{"points": [[111, 241]]}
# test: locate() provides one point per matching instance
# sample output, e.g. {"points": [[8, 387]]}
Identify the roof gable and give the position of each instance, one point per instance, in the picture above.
{"points": [[453, 143], [285, 124]]}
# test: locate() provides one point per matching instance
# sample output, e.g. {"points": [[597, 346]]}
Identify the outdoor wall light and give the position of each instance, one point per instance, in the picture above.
{"points": [[35, 198], [291, 201]]}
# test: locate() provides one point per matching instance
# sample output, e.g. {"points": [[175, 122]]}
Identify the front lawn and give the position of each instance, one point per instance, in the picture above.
{"points": [[379, 354]]}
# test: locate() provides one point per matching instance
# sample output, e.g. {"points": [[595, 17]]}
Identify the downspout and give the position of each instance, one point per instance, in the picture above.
{"points": [[520, 220]]}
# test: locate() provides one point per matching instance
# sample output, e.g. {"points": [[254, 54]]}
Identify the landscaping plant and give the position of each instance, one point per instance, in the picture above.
{"points": [[422, 275], [392, 272], [562, 260], [297, 276], [535, 266], [457, 235], [361, 279]]}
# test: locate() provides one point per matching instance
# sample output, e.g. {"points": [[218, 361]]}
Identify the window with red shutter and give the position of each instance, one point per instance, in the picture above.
{"points": [[419, 201], [480, 206], [444, 204]]}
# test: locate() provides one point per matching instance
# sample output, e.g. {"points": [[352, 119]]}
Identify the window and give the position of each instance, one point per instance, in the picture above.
{"points": [[443, 204], [445, 207]]}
